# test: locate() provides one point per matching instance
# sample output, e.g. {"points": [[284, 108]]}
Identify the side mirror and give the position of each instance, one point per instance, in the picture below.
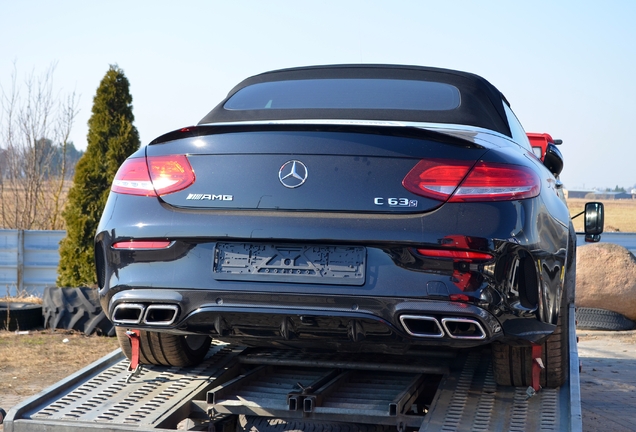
{"points": [[594, 221], [553, 160]]}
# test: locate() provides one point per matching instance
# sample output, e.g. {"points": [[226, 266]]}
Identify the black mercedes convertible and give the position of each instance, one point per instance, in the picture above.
{"points": [[351, 208]]}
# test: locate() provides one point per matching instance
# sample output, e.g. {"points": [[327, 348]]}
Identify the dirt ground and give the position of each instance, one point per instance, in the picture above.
{"points": [[608, 380], [32, 362]]}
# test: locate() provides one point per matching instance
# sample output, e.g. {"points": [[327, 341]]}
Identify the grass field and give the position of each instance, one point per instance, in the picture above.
{"points": [[620, 215]]}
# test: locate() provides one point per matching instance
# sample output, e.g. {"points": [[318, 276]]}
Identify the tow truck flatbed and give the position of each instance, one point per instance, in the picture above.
{"points": [[438, 391]]}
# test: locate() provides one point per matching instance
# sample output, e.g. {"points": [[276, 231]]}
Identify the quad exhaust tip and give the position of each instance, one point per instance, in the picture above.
{"points": [[463, 328], [453, 327], [160, 314], [128, 313], [153, 315], [422, 326]]}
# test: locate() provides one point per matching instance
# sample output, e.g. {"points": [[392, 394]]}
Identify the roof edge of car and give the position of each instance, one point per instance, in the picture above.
{"points": [[483, 108]]}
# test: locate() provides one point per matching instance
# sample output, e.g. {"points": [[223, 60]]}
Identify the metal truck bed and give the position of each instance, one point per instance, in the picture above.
{"points": [[438, 391]]}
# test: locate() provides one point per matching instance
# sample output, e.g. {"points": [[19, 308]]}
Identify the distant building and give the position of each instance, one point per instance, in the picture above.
{"points": [[591, 194], [608, 196], [578, 193]]}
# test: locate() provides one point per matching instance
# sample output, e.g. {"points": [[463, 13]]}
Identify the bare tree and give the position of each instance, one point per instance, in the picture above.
{"points": [[35, 125]]}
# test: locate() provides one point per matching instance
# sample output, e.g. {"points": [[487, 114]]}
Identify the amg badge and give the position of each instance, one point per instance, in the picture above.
{"points": [[210, 197]]}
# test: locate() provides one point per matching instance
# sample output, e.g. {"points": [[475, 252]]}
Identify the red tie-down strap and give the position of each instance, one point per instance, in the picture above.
{"points": [[537, 365], [134, 336]]}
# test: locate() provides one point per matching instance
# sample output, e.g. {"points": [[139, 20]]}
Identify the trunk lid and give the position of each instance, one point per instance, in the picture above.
{"points": [[309, 170]]}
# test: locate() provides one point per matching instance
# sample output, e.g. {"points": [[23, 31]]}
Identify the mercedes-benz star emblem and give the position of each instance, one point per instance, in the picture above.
{"points": [[292, 174]]}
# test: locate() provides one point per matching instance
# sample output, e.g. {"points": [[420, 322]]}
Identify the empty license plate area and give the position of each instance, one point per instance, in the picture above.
{"points": [[338, 265]]}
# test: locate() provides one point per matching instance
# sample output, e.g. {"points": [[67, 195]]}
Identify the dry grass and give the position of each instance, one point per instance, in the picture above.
{"points": [[31, 362], [620, 215], [23, 298], [36, 208]]}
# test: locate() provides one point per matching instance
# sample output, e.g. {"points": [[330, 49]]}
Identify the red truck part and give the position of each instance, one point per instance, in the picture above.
{"points": [[539, 143]]}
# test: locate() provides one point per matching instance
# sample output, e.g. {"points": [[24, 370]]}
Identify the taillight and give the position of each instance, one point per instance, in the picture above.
{"points": [[464, 181], [455, 254], [154, 175], [142, 244], [170, 173], [132, 178]]}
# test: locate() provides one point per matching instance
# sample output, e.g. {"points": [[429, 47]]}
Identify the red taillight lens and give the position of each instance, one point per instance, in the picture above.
{"points": [[436, 178], [456, 181], [498, 182], [454, 254], [142, 244], [132, 178], [153, 176], [170, 173]]}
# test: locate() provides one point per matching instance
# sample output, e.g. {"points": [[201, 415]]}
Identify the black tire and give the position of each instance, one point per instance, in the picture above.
{"points": [[512, 365], [602, 319], [75, 309], [164, 349], [266, 424], [20, 316]]}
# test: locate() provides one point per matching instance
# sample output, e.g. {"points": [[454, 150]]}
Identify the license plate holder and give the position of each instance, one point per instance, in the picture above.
{"points": [[318, 264]]}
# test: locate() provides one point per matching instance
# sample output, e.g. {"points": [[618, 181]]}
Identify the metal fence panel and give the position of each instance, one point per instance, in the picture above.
{"points": [[8, 260], [28, 261]]}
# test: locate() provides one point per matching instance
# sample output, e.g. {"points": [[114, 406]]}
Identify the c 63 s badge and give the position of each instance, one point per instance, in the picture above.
{"points": [[394, 202]]}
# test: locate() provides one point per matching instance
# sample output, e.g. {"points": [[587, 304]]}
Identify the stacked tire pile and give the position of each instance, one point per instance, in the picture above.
{"points": [[75, 309], [17, 316], [602, 319], [61, 308]]}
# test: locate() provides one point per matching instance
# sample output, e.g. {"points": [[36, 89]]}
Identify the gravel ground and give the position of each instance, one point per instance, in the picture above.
{"points": [[608, 380]]}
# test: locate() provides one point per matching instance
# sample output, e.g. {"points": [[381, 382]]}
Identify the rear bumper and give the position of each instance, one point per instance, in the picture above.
{"points": [[522, 236], [342, 323]]}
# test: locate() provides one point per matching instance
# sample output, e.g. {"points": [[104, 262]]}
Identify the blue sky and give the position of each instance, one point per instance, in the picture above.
{"points": [[567, 67]]}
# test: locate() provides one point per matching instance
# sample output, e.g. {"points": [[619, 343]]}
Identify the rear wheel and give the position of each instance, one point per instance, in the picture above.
{"points": [[513, 364], [166, 349]]}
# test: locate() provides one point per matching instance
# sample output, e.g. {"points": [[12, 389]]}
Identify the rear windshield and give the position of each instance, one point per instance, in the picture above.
{"points": [[392, 94]]}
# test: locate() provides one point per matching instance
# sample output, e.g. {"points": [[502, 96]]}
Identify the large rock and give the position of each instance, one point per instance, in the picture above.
{"points": [[606, 278]]}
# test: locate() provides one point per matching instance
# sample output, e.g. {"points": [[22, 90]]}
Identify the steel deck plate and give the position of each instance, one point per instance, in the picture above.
{"points": [[467, 399], [99, 397]]}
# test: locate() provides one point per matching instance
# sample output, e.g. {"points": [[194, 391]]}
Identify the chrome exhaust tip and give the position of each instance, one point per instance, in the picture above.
{"points": [[463, 328], [160, 315], [128, 313], [421, 326]]}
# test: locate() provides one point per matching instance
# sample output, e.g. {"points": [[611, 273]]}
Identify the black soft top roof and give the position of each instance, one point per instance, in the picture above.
{"points": [[481, 103]]}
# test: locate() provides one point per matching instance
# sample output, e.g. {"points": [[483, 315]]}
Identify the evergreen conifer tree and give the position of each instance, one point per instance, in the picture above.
{"points": [[112, 137]]}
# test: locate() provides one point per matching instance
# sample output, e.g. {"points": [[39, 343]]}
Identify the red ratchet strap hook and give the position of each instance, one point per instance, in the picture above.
{"points": [[537, 365], [135, 367]]}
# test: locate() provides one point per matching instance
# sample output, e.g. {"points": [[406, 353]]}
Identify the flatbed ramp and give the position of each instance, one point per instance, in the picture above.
{"points": [[439, 391]]}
